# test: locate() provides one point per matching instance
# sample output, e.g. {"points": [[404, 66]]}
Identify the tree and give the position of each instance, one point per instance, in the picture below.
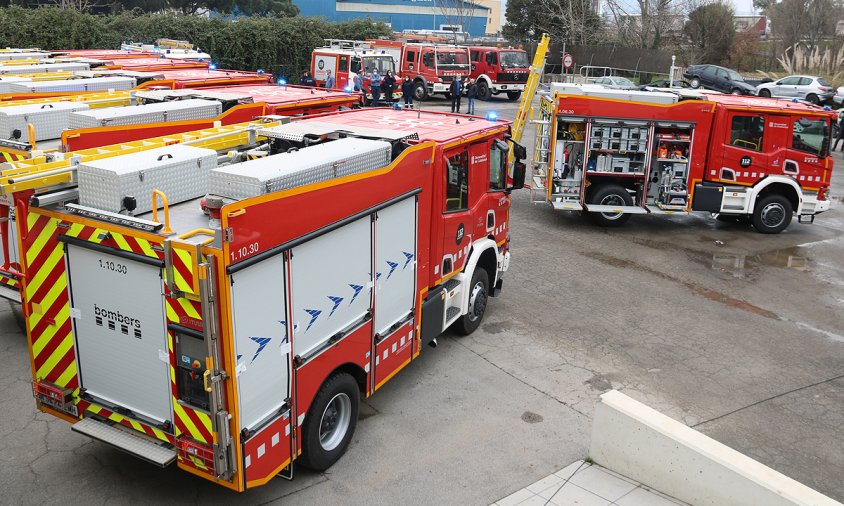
{"points": [[267, 7], [802, 20], [458, 13], [643, 23], [569, 21], [711, 31], [523, 17]]}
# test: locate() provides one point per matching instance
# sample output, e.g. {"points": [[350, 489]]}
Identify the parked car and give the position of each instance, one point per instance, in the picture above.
{"points": [[616, 83], [809, 88], [838, 98], [719, 79], [665, 83]]}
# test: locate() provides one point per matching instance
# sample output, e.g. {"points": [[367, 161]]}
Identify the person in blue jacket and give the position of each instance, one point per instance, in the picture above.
{"points": [[375, 86], [456, 90], [329, 80]]}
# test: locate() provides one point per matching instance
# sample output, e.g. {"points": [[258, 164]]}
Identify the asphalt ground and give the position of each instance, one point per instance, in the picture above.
{"points": [[737, 334]]}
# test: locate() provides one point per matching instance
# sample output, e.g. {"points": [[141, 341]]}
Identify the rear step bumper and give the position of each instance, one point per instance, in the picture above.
{"points": [[122, 440]]}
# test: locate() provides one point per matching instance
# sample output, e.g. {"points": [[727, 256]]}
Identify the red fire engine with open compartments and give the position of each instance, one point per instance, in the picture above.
{"points": [[612, 154], [234, 342]]}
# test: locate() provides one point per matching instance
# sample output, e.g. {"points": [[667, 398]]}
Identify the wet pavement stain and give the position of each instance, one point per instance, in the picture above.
{"points": [[497, 327], [696, 289], [599, 382], [531, 417], [365, 411]]}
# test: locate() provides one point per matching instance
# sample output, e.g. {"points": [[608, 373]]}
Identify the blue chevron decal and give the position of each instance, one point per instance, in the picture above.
{"points": [[314, 315], [284, 322], [357, 289], [262, 343], [336, 301], [393, 266], [409, 257]]}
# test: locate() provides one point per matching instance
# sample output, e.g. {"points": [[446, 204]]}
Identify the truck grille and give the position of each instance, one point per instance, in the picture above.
{"points": [[447, 79], [512, 77]]}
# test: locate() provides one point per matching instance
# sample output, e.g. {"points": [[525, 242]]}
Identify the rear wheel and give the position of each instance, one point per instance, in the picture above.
{"points": [[514, 95], [813, 99], [478, 296], [695, 82], [330, 422], [772, 214], [765, 93], [420, 91], [484, 93], [610, 195]]}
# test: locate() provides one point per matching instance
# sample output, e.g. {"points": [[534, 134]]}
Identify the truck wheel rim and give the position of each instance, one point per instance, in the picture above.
{"points": [[612, 200], [477, 301], [335, 422], [773, 215]]}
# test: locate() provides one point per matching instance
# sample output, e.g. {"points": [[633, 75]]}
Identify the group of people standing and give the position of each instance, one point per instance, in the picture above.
{"points": [[386, 85]]}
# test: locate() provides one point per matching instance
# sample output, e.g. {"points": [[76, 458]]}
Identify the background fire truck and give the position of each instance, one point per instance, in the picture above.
{"points": [[431, 67], [348, 58], [232, 342], [612, 154], [499, 70]]}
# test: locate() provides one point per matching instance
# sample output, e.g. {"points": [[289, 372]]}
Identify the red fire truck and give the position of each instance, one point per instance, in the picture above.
{"points": [[432, 67], [499, 70], [232, 344], [613, 153], [349, 58]]}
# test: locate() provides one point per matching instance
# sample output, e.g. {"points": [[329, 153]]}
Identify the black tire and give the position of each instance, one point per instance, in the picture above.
{"points": [[514, 95], [322, 446], [484, 93], [765, 93], [478, 298], [813, 99], [736, 91], [772, 214], [607, 195], [420, 91], [695, 83]]}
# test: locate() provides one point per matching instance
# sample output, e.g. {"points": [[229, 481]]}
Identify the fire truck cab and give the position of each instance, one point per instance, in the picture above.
{"points": [[612, 154], [349, 58], [499, 70], [431, 67], [235, 342]]}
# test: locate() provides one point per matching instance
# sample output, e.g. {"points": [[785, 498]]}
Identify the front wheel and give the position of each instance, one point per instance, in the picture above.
{"points": [[514, 95], [772, 214], [420, 91], [610, 195], [736, 91], [694, 83], [765, 93], [478, 296], [330, 422], [484, 93]]}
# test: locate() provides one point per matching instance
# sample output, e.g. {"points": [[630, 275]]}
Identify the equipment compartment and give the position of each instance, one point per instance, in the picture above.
{"points": [[668, 179]]}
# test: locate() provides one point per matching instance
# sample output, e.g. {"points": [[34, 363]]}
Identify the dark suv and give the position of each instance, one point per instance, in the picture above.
{"points": [[718, 78]]}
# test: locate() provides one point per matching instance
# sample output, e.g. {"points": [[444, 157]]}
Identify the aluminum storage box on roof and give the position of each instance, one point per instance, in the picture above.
{"points": [[93, 84], [43, 68], [5, 81], [313, 164], [180, 171], [144, 114], [49, 120], [23, 56]]}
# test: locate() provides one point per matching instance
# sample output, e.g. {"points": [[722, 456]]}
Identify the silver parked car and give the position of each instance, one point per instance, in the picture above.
{"points": [[809, 88], [616, 83]]}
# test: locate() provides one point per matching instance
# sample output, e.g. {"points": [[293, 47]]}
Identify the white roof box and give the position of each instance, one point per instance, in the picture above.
{"points": [[596, 90]]}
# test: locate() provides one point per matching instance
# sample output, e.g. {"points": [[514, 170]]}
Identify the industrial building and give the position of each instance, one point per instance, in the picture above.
{"points": [[455, 15]]}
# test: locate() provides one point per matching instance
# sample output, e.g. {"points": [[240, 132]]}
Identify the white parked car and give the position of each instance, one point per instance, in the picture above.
{"points": [[809, 88], [838, 99], [616, 83]]}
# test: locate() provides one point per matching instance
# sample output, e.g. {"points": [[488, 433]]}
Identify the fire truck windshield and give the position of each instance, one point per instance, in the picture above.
{"points": [[382, 63], [452, 60], [514, 59]]}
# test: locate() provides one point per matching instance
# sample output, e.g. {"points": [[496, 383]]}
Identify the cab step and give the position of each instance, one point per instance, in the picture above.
{"points": [[138, 446]]}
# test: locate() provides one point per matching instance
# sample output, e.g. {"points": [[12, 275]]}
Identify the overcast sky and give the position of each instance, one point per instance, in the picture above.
{"points": [[742, 7]]}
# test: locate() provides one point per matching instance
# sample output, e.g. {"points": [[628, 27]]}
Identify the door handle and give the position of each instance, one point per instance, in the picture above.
{"points": [[205, 376]]}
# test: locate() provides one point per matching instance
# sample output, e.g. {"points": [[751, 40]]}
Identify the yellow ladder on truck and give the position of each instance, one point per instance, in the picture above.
{"points": [[536, 71]]}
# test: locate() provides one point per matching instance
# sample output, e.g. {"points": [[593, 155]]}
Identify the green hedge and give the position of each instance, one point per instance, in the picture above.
{"points": [[278, 45]]}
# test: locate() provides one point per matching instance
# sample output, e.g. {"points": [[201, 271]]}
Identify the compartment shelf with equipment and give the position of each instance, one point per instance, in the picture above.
{"points": [[667, 188], [619, 148], [567, 168]]}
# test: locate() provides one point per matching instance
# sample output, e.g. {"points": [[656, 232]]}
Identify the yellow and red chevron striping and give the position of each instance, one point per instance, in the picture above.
{"points": [[128, 422]]}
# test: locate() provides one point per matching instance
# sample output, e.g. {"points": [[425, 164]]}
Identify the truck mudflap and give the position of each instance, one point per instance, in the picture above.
{"points": [[124, 440]]}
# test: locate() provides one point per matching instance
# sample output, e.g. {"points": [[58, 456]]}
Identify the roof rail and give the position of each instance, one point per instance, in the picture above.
{"points": [[348, 44]]}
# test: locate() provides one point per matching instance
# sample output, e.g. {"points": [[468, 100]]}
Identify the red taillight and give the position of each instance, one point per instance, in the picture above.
{"points": [[822, 193], [196, 454]]}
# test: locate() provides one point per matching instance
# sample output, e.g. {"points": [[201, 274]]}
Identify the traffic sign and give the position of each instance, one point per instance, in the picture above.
{"points": [[568, 61]]}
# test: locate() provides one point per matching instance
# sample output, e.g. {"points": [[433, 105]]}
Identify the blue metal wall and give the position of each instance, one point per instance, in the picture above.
{"points": [[429, 20]]}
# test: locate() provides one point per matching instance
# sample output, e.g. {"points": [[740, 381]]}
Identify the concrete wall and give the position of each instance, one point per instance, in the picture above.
{"points": [[645, 445]]}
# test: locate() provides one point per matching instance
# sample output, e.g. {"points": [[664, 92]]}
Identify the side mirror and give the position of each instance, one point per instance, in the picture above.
{"points": [[519, 173], [825, 147], [519, 151]]}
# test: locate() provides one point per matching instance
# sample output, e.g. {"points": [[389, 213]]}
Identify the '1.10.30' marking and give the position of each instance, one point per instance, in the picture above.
{"points": [[113, 266]]}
